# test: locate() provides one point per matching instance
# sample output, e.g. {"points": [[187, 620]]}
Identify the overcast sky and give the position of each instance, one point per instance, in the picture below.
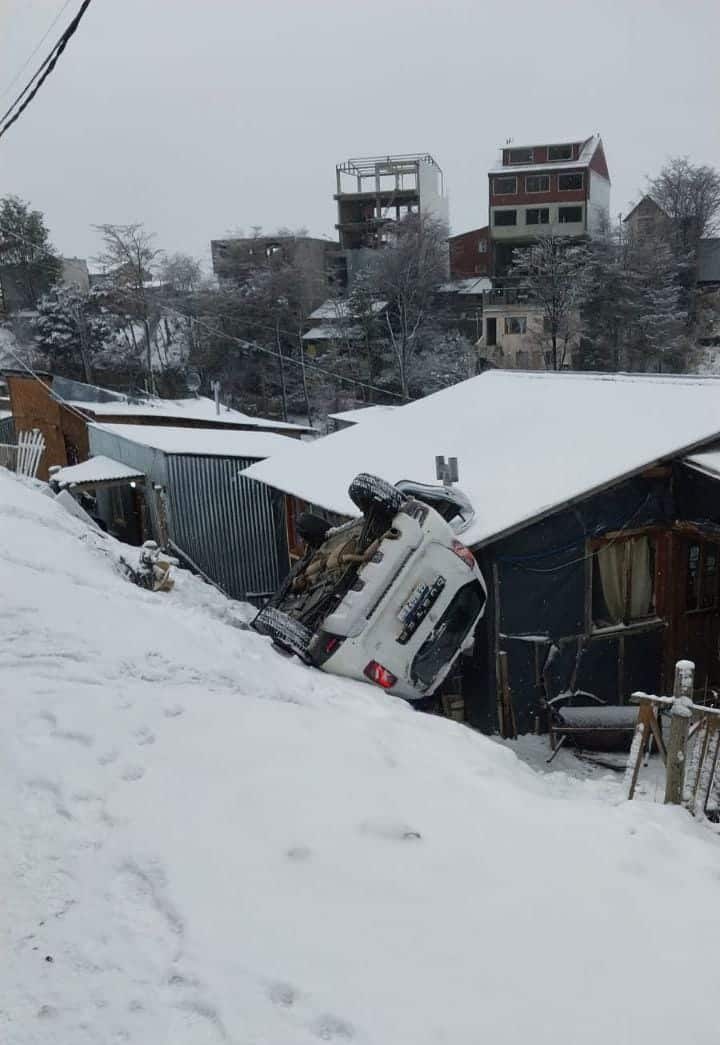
{"points": [[198, 117]]}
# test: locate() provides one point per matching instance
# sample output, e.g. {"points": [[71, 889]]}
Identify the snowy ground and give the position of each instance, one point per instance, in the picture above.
{"points": [[204, 842]]}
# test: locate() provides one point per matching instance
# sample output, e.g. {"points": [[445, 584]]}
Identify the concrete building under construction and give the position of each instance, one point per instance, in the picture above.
{"points": [[376, 192]]}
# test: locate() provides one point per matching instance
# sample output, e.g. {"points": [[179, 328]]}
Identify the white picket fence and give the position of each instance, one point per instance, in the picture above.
{"points": [[23, 457]]}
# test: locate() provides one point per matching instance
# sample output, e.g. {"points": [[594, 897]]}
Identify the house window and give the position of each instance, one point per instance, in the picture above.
{"points": [[537, 183], [482, 246], [515, 324], [570, 182], [537, 216], [505, 217], [519, 155], [504, 186], [559, 152], [569, 215], [701, 591], [623, 581]]}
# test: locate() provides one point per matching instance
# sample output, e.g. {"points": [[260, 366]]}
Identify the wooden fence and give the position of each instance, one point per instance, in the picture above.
{"points": [[692, 751]]}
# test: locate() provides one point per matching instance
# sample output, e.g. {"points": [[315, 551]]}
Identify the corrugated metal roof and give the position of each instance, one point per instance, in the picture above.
{"points": [[195, 409], [205, 441]]}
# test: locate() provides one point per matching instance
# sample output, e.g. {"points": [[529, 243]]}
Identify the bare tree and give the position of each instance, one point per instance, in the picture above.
{"points": [[181, 273], [406, 274], [690, 196], [552, 271], [129, 260]]}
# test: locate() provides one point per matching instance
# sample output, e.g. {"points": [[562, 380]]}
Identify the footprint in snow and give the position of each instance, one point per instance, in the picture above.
{"points": [[131, 773], [331, 1028], [144, 736], [390, 829], [173, 711], [282, 994], [299, 853]]}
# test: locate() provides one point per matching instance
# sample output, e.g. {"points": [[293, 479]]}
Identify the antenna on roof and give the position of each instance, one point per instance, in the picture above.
{"points": [[447, 471], [509, 141]]}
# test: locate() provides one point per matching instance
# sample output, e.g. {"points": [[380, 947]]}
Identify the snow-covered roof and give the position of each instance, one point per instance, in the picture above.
{"points": [[526, 442], [216, 442], [97, 469], [337, 309], [583, 159], [195, 409], [363, 413], [707, 462], [332, 333], [471, 285]]}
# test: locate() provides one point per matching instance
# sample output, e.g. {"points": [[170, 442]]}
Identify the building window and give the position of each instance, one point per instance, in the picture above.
{"points": [[623, 581], [570, 182], [519, 155], [482, 246], [504, 186], [537, 216], [701, 591], [537, 183], [569, 215], [515, 324], [505, 217], [559, 152]]}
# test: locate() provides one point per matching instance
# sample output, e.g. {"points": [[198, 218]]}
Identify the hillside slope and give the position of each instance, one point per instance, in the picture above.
{"points": [[205, 842]]}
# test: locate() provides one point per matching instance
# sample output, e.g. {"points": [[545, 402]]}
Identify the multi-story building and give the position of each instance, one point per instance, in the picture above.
{"points": [[235, 258], [560, 189], [376, 192], [470, 254]]}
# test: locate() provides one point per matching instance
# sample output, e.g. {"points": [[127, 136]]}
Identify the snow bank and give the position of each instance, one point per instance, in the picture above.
{"points": [[206, 842]]}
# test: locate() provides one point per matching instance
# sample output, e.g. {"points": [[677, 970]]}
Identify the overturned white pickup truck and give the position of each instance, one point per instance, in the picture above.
{"points": [[391, 598]]}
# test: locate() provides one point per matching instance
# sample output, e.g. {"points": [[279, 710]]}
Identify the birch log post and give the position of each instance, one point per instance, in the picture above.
{"points": [[680, 716]]}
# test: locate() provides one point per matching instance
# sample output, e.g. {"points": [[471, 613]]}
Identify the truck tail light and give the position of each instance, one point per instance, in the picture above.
{"points": [[464, 553], [380, 675]]}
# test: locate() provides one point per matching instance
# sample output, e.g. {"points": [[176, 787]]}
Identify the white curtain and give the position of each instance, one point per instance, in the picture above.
{"points": [[611, 561], [641, 592]]}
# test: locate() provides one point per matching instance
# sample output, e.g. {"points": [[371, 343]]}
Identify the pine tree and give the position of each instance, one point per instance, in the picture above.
{"points": [[72, 328]]}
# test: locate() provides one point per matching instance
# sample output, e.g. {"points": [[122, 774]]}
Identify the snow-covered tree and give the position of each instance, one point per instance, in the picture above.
{"points": [[129, 260], [26, 254], [406, 274], [553, 273], [72, 329]]}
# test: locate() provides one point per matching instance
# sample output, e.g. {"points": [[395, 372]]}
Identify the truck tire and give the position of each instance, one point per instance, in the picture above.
{"points": [[369, 491], [284, 630], [312, 529]]}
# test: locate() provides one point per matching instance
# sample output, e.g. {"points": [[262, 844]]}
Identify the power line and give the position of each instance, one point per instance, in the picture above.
{"points": [[39, 44], [41, 75], [255, 347]]}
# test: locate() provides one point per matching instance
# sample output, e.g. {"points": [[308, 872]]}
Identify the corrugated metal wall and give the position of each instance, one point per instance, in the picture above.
{"points": [[7, 430], [230, 526]]}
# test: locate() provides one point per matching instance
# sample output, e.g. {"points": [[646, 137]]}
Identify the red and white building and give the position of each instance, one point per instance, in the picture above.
{"points": [[560, 188]]}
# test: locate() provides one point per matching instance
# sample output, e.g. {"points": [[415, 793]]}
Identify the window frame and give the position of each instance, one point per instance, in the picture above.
{"points": [[538, 211], [574, 221], [702, 577], [528, 179], [559, 159], [505, 224], [504, 177], [628, 622], [522, 320], [528, 158], [571, 174]]}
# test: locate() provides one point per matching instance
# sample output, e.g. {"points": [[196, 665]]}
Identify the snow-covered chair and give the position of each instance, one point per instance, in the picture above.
{"points": [[589, 722]]}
